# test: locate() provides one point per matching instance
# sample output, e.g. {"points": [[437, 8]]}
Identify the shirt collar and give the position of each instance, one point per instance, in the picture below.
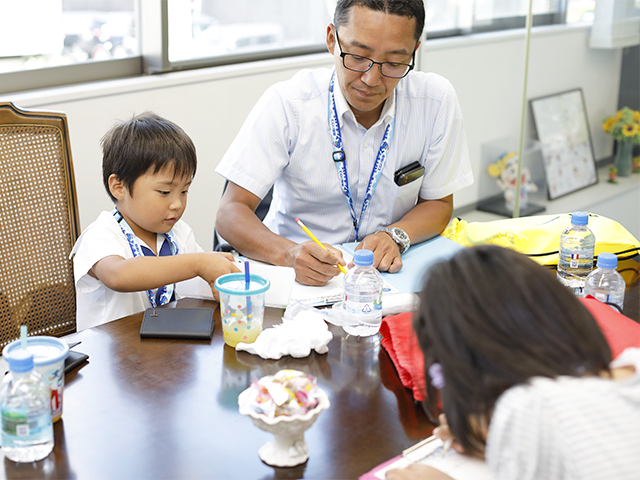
{"points": [[343, 109]]}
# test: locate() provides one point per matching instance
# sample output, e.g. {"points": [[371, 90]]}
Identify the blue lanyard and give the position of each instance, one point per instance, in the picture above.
{"points": [[166, 292], [341, 164]]}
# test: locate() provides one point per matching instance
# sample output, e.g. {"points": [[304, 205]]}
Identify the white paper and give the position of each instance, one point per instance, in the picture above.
{"points": [[457, 466]]}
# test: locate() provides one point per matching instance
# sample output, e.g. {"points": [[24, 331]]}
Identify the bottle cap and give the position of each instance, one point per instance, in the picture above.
{"points": [[579, 218], [607, 260], [363, 258], [20, 360]]}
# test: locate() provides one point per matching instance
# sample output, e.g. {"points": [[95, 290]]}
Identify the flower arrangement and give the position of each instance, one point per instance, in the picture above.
{"points": [[625, 126]]}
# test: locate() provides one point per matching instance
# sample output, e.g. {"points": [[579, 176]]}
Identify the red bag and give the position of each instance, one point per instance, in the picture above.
{"points": [[400, 342]]}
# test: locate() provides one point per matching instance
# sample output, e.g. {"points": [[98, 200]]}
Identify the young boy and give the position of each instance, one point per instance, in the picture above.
{"points": [[131, 258]]}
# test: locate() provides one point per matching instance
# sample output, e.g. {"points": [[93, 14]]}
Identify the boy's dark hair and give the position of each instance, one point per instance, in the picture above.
{"points": [[132, 147], [406, 8], [494, 318]]}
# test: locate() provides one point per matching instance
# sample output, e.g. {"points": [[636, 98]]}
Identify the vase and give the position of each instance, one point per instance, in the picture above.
{"points": [[623, 158], [288, 448]]}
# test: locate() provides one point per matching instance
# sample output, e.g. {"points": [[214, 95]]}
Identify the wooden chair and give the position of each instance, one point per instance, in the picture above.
{"points": [[39, 224]]}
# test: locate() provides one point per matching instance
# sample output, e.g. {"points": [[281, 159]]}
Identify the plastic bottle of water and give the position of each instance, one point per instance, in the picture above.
{"points": [[363, 296], [604, 283], [25, 403], [575, 260]]}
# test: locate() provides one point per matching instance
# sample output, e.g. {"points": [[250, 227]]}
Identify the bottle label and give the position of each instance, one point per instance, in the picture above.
{"points": [[603, 297], [574, 262], [358, 307], [576, 259], [15, 422], [19, 426]]}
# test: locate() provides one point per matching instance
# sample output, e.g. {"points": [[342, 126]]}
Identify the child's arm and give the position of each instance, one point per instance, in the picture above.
{"points": [[145, 273]]}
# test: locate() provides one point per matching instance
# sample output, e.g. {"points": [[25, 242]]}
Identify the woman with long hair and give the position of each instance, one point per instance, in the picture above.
{"points": [[524, 373]]}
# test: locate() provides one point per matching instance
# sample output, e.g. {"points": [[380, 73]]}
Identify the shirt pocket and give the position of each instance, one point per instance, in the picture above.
{"points": [[406, 198]]}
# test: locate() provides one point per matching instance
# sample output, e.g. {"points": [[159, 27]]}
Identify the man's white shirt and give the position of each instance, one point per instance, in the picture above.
{"points": [[286, 141]]}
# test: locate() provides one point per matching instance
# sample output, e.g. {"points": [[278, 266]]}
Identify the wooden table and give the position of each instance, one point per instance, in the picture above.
{"points": [[148, 408]]}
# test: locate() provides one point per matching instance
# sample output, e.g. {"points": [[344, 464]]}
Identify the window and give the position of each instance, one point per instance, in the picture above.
{"points": [[70, 38], [474, 16], [48, 33], [83, 40], [212, 28]]}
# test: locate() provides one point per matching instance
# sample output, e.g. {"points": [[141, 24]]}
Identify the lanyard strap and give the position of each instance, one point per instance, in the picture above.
{"points": [[166, 292], [339, 159]]}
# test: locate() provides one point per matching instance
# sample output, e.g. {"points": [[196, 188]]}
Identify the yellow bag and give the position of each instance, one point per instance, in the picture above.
{"points": [[539, 238]]}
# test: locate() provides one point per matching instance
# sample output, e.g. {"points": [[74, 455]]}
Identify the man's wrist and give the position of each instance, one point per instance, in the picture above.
{"points": [[399, 236]]}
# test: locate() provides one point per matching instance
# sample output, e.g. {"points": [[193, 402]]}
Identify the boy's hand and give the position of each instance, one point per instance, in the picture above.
{"points": [[213, 265]]}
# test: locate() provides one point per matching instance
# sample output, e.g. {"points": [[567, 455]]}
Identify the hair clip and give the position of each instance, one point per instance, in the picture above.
{"points": [[435, 372]]}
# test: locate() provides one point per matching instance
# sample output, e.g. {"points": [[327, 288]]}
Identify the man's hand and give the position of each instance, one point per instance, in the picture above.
{"points": [[314, 265], [386, 252]]}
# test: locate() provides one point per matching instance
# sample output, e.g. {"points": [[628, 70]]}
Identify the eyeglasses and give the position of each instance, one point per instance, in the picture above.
{"points": [[356, 63]]}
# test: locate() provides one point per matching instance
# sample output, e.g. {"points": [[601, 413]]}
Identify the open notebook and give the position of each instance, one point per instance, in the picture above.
{"points": [[416, 261], [429, 452], [284, 289]]}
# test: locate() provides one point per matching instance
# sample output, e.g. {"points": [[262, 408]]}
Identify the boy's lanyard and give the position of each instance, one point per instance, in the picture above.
{"points": [[341, 165], [164, 294]]}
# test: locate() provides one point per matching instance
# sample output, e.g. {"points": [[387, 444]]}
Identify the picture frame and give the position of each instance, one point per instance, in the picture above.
{"points": [[563, 131]]}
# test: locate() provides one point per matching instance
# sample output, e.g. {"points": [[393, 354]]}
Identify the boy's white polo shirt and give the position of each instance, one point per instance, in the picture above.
{"points": [[95, 302]]}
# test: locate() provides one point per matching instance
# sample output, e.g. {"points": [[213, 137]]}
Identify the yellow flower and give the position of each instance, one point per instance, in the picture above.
{"points": [[636, 116], [620, 114], [609, 123], [631, 130]]}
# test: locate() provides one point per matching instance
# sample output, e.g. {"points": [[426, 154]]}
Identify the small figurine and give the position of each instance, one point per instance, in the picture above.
{"points": [[613, 174], [505, 170]]}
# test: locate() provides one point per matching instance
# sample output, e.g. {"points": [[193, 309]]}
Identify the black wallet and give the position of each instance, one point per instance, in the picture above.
{"points": [[188, 323], [73, 360]]}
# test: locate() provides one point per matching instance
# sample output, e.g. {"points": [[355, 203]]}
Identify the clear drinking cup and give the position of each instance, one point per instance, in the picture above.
{"points": [[241, 308]]}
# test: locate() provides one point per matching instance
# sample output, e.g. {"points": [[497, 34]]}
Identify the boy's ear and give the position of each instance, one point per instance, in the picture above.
{"points": [[117, 187]]}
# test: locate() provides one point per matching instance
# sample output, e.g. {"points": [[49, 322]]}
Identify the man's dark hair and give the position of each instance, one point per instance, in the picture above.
{"points": [[132, 147], [493, 318], [406, 8]]}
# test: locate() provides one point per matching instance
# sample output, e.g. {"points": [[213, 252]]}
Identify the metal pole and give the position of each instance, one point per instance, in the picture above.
{"points": [[516, 205]]}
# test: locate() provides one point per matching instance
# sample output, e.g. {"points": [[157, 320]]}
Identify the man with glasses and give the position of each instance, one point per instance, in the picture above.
{"points": [[369, 151]]}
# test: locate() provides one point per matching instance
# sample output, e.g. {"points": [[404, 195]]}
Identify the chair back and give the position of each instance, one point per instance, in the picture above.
{"points": [[38, 224]]}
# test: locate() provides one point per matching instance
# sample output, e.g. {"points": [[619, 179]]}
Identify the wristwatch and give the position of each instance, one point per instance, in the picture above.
{"points": [[400, 237]]}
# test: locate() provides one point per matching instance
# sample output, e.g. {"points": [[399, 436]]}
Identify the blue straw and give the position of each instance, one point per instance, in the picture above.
{"points": [[247, 283]]}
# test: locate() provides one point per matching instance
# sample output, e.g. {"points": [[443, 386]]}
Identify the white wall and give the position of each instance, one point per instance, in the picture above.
{"points": [[211, 104]]}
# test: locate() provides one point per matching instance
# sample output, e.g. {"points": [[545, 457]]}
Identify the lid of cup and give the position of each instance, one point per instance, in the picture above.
{"points": [[579, 218], [607, 260], [234, 284], [45, 350]]}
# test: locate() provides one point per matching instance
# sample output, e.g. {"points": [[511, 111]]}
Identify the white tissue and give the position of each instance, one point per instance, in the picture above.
{"points": [[295, 336]]}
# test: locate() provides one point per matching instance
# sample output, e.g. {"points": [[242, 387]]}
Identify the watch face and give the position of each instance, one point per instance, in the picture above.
{"points": [[401, 235]]}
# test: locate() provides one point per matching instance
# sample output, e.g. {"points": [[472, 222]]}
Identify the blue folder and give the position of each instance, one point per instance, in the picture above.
{"points": [[415, 262]]}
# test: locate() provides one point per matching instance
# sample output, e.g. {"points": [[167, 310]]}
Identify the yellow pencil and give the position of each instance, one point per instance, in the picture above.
{"points": [[313, 237]]}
